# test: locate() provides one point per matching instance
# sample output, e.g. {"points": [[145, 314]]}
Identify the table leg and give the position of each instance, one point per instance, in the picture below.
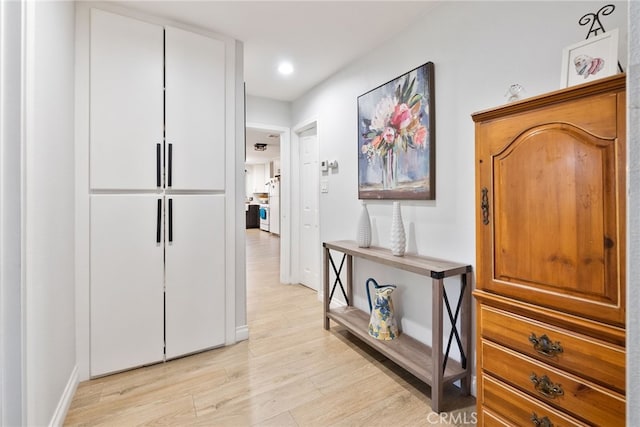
{"points": [[350, 280], [325, 286], [436, 344], [465, 326]]}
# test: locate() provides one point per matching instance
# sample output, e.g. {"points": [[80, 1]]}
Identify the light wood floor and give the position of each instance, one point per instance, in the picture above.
{"points": [[291, 372]]}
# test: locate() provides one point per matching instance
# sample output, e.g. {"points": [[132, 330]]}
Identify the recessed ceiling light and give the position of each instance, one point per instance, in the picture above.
{"points": [[285, 68]]}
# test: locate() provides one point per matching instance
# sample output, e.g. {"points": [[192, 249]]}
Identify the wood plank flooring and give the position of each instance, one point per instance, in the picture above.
{"points": [[291, 372]]}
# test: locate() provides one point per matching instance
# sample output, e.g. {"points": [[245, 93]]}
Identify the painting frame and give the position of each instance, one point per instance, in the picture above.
{"points": [[396, 138], [590, 59]]}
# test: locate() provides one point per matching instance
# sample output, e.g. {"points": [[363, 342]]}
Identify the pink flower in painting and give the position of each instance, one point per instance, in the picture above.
{"points": [[401, 116], [396, 124], [389, 135], [420, 136]]}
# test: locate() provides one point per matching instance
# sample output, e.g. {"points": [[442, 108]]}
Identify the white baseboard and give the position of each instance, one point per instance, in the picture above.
{"points": [[474, 390], [65, 400], [335, 303], [242, 333]]}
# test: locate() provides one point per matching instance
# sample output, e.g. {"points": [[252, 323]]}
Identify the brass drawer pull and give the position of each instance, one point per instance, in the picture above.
{"points": [[544, 346], [545, 387], [540, 422]]}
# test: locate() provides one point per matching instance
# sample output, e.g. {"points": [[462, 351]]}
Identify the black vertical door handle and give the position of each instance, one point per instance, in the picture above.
{"points": [[171, 220], [169, 173], [159, 222], [158, 165]]}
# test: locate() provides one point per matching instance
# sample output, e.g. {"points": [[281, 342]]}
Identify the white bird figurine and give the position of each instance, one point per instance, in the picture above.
{"points": [[514, 92]]}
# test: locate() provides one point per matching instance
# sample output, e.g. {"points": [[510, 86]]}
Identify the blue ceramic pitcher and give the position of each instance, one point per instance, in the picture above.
{"points": [[382, 324]]}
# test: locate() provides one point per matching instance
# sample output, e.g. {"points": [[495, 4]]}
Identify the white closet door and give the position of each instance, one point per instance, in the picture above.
{"points": [[195, 110], [126, 114], [126, 282], [195, 273]]}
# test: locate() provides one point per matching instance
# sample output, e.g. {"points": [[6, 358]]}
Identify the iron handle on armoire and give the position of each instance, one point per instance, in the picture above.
{"points": [[484, 205], [159, 222], [171, 220], [170, 165]]}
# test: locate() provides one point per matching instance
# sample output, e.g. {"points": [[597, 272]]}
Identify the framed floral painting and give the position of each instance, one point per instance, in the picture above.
{"points": [[396, 138]]}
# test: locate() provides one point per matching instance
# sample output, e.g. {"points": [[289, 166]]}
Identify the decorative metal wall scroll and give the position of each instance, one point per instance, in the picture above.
{"points": [[596, 24]]}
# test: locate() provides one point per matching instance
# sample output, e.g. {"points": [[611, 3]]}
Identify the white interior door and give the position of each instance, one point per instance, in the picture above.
{"points": [[195, 273], [195, 111], [309, 233], [126, 111], [126, 282]]}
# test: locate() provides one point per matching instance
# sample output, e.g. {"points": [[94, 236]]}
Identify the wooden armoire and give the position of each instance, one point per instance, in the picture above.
{"points": [[550, 283]]}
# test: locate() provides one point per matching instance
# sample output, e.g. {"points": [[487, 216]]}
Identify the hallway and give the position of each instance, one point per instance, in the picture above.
{"points": [[291, 372]]}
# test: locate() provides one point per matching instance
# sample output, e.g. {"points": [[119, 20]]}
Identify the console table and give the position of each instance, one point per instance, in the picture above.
{"points": [[430, 364]]}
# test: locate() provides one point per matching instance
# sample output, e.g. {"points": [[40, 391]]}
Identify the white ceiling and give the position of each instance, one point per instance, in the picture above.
{"points": [[318, 37]]}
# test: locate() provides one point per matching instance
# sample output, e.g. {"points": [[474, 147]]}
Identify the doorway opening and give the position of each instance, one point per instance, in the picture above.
{"points": [[267, 187]]}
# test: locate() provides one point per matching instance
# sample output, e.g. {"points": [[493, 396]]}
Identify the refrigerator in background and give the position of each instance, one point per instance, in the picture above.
{"points": [[274, 205]]}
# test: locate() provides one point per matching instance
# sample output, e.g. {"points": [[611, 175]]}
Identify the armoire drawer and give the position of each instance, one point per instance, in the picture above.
{"points": [[489, 419], [587, 357], [556, 388], [512, 407]]}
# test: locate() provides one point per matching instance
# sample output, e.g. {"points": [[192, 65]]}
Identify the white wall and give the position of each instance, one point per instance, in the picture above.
{"points": [[48, 263], [236, 217], [633, 213], [479, 49], [10, 216], [268, 111]]}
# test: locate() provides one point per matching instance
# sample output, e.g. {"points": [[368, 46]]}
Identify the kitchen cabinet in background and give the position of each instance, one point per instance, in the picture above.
{"points": [[252, 217]]}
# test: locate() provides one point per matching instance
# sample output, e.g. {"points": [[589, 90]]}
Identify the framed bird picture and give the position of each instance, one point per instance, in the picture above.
{"points": [[591, 59]]}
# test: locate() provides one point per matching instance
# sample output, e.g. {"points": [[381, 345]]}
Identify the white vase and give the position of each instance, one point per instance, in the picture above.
{"points": [[398, 238], [364, 228]]}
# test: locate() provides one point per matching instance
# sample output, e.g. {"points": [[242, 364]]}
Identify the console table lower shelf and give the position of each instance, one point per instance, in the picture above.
{"points": [[405, 351]]}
